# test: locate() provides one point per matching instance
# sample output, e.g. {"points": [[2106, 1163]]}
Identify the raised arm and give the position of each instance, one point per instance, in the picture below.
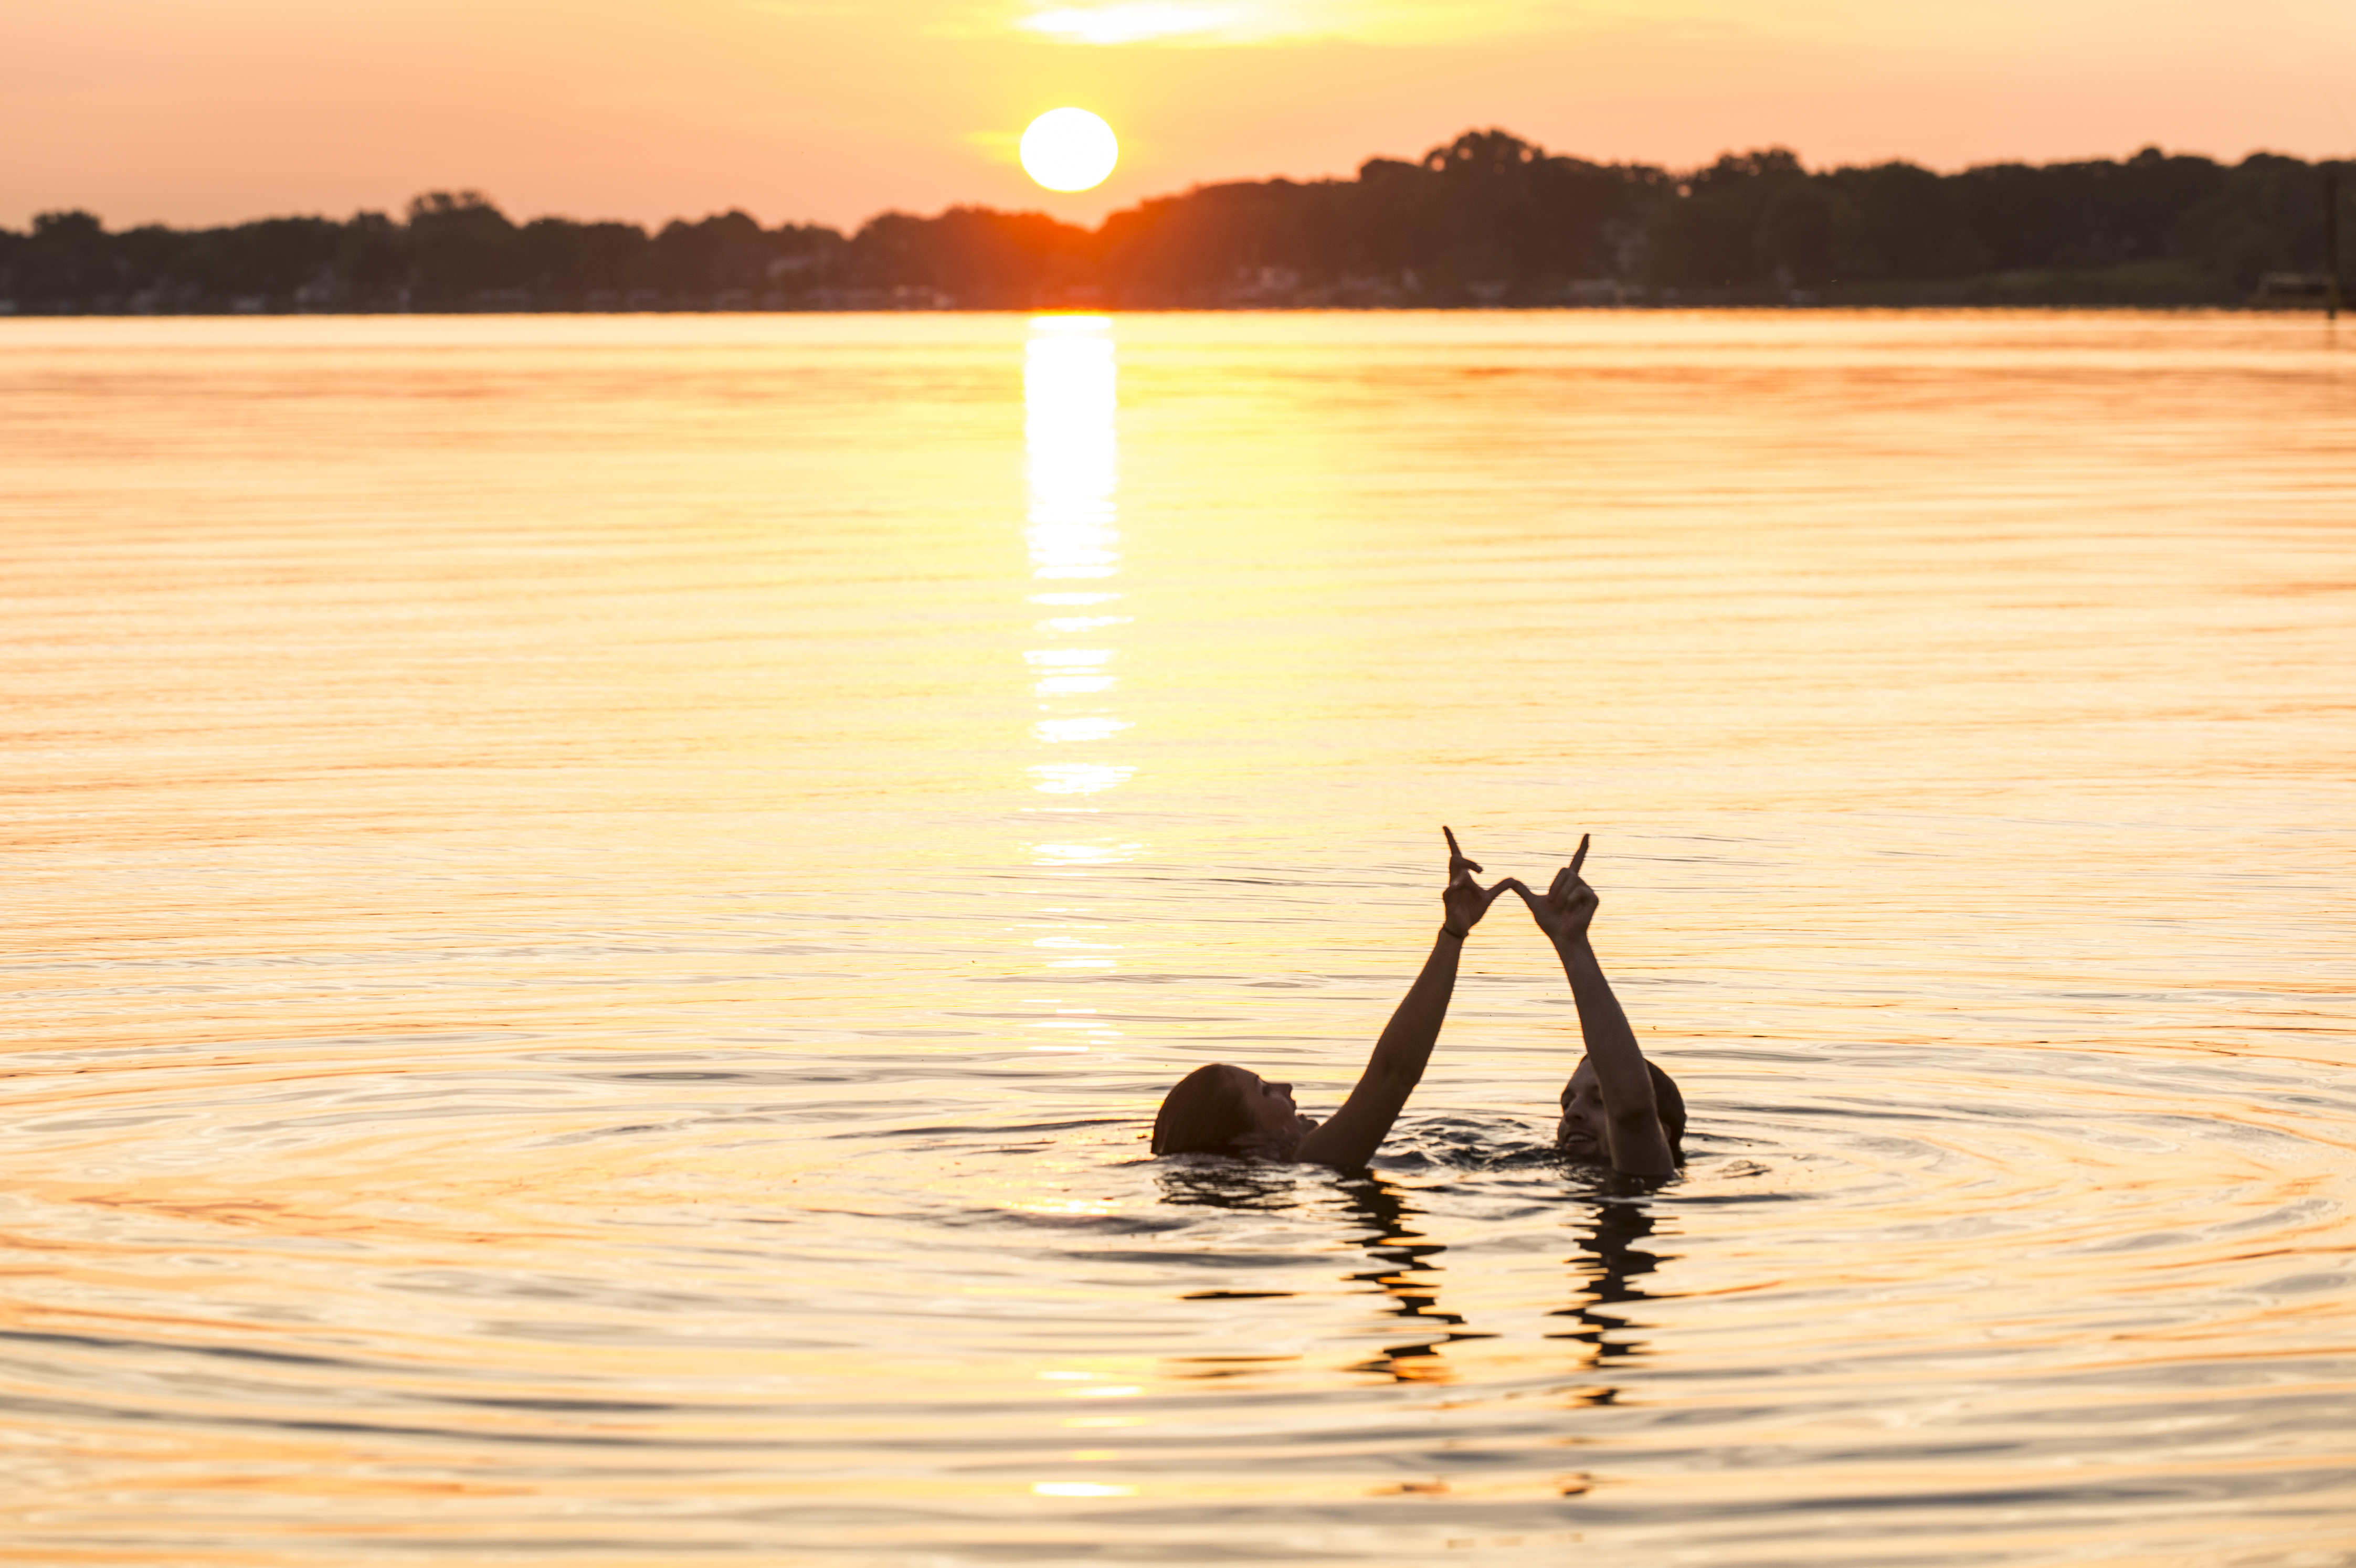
{"points": [[1350, 1136], [1632, 1133]]}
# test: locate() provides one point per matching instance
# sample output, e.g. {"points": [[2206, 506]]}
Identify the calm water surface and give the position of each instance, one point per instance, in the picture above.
{"points": [[597, 907]]}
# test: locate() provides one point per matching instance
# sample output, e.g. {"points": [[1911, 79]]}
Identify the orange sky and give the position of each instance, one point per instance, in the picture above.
{"points": [[834, 110]]}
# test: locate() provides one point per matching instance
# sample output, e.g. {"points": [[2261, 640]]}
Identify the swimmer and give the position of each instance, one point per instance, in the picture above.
{"points": [[1618, 1108], [1230, 1110]]}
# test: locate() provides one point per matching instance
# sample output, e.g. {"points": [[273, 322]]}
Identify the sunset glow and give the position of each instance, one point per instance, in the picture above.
{"points": [[815, 111], [1141, 21], [1238, 22]]}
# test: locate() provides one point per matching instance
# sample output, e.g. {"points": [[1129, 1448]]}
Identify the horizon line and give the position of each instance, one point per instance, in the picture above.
{"points": [[652, 226]]}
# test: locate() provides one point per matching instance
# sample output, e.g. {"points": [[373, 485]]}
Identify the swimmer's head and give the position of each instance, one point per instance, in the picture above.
{"points": [[1220, 1109], [1582, 1133]]}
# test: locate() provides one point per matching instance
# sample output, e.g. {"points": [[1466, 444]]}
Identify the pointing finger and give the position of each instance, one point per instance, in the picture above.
{"points": [[1581, 856], [1457, 858]]}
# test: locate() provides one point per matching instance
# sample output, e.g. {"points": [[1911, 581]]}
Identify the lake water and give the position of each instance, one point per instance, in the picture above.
{"points": [[598, 907]]}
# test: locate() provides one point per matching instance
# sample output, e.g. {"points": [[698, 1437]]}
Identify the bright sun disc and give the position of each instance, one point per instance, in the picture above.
{"points": [[1069, 149]]}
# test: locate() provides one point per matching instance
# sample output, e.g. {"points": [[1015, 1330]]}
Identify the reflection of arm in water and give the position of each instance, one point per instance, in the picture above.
{"points": [[1611, 1262], [1228, 1110], [1617, 1107]]}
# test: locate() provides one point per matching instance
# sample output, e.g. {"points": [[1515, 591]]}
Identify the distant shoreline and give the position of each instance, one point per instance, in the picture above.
{"points": [[2246, 307], [1485, 221], [2295, 294]]}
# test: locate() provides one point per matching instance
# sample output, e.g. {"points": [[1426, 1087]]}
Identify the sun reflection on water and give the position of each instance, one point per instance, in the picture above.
{"points": [[1071, 399], [1071, 404]]}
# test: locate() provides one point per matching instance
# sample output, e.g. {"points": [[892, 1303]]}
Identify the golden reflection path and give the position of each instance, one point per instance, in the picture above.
{"points": [[1071, 440]]}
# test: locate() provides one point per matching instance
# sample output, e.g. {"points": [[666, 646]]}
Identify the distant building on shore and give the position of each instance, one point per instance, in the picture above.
{"points": [[2294, 291]]}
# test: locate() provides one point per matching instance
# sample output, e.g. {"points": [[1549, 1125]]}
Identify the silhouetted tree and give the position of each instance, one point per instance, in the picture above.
{"points": [[460, 246], [2265, 215], [1485, 219], [981, 257], [565, 263], [1905, 221], [66, 265]]}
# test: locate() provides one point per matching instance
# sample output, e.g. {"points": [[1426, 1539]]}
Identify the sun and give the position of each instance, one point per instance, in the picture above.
{"points": [[1069, 149]]}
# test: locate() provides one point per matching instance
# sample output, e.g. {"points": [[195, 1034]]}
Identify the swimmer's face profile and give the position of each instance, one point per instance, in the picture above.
{"points": [[1274, 1118], [1581, 1133], [1220, 1109], [1584, 1132]]}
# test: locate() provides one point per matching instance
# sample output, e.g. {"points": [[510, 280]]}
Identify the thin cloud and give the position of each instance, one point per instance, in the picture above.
{"points": [[1149, 21], [998, 147], [1116, 22]]}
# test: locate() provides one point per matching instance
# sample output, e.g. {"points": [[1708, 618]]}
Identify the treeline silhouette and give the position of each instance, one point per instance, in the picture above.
{"points": [[1487, 218]]}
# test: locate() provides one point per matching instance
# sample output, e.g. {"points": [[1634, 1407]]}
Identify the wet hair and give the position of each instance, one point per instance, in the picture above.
{"points": [[1669, 1104], [1206, 1113]]}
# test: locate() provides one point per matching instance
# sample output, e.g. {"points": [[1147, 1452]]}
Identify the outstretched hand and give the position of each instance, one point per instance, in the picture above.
{"points": [[1569, 904], [1465, 901]]}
